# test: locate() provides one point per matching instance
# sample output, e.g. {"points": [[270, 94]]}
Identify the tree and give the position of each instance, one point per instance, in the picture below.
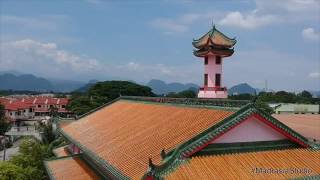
{"points": [[114, 89], [182, 94], [187, 94], [9, 171], [30, 158], [48, 135], [242, 97], [285, 97], [53, 110], [305, 94], [103, 92], [4, 124]]}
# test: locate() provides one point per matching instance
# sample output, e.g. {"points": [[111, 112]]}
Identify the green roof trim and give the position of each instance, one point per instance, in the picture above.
{"points": [[190, 102], [183, 150]]}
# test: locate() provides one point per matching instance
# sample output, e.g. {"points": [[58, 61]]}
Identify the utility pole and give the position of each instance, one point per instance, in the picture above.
{"points": [[4, 150], [266, 85], [3, 142]]}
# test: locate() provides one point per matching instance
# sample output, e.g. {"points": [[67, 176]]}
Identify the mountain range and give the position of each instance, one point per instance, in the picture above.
{"points": [[12, 80], [161, 87], [29, 82], [242, 88]]}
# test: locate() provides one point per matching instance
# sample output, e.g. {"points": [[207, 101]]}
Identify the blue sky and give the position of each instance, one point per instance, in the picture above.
{"points": [[278, 41]]}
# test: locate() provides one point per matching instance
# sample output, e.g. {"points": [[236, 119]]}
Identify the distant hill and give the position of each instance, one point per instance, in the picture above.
{"points": [[160, 87], [242, 88], [315, 93], [87, 86], [61, 85], [24, 82], [16, 81]]}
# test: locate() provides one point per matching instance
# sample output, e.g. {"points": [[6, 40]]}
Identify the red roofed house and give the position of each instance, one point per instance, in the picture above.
{"points": [[32, 107]]}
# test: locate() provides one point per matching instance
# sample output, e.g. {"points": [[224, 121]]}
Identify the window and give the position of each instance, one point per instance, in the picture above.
{"points": [[206, 60], [39, 106], [30, 110], [63, 106], [205, 79], [218, 79], [218, 59]]}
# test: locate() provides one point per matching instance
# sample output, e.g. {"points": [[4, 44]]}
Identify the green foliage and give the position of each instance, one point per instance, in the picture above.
{"points": [[104, 92], [279, 97], [48, 135], [9, 171], [53, 111], [183, 94], [242, 97], [30, 158], [114, 89], [4, 124]]}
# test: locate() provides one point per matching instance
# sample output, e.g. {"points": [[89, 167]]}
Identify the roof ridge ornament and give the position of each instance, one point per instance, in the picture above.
{"points": [[163, 154], [151, 165]]}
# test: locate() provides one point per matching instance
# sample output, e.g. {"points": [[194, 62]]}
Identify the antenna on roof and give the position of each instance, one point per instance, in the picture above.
{"points": [[213, 25]]}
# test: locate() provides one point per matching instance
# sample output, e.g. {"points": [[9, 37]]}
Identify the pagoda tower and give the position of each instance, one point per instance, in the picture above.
{"points": [[213, 47]]}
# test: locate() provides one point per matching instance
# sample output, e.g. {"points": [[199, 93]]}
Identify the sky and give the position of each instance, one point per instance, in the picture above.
{"points": [[278, 42]]}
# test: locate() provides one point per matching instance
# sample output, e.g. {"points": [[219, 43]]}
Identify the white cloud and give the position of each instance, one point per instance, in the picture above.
{"points": [[249, 21], [265, 13], [282, 70], [48, 60], [44, 58], [48, 22], [290, 11], [310, 34], [184, 22], [169, 25], [288, 5], [314, 75]]}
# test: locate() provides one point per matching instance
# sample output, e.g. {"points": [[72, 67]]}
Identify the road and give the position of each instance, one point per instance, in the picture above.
{"points": [[11, 151]]}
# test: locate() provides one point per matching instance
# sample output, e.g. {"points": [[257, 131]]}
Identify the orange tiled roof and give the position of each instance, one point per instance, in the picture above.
{"points": [[234, 166], [61, 151], [127, 133], [71, 168], [306, 124]]}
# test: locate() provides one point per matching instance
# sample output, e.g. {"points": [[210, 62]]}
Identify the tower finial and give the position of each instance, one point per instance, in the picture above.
{"points": [[213, 25]]}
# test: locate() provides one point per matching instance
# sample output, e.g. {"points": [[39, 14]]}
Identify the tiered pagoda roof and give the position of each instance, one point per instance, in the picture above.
{"points": [[214, 42], [135, 137]]}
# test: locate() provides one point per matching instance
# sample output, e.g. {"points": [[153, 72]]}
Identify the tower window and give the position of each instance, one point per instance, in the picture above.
{"points": [[205, 79], [206, 60], [218, 59], [218, 79]]}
